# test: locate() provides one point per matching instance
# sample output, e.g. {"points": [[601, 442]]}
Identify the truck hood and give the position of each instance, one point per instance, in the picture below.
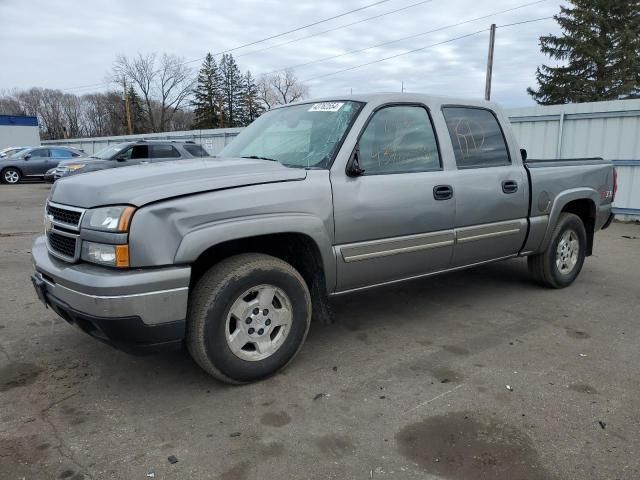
{"points": [[141, 184]]}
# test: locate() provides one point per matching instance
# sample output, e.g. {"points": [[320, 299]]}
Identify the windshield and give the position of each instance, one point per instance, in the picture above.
{"points": [[297, 136], [108, 152], [7, 152], [196, 150]]}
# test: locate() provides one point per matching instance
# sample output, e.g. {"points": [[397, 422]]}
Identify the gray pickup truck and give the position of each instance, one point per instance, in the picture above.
{"points": [[233, 255]]}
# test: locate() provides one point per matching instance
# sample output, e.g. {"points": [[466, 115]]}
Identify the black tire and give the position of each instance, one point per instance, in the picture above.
{"points": [[210, 303], [543, 267], [13, 172]]}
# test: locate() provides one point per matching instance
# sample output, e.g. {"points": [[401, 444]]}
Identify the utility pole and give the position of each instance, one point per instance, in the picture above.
{"points": [[492, 42], [402, 86], [127, 109]]}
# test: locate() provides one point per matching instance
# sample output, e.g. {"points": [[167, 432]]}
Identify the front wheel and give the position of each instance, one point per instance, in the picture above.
{"points": [[248, 317], [10, 175], [559, 265]]}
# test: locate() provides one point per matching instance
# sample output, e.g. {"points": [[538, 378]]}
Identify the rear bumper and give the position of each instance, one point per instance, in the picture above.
{"points": [[134, 310]]}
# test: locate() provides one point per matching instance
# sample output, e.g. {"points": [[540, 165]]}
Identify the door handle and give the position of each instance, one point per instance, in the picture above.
{"points": [[509, 186], [442, 192]]}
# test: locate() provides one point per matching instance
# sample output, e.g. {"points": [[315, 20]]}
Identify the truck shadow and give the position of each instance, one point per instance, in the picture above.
{"points": [[435, 294], [422, 302]]}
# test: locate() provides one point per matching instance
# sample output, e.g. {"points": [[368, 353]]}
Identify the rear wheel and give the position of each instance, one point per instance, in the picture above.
{"points": [[10, 175], [248, 317], [559, 265]]}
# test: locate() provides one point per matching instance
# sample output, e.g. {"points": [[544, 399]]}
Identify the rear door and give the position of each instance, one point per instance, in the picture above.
{"points": [[57, 156], [390, 223], [492, 189], [163, 153]]}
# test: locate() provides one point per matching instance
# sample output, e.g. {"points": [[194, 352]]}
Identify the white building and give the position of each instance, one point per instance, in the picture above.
{"points": [[19, 131]]}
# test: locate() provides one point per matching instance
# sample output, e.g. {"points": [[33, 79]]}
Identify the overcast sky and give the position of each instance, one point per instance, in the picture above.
{"points": [[70, 43]]}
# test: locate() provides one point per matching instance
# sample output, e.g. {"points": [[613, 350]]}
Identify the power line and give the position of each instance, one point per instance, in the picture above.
{"points": [[80, 87], [371, 47], [397, 55], [526, 21], [297, 29], [255, 42], [420, 49], [335, 28], [407, 38]]}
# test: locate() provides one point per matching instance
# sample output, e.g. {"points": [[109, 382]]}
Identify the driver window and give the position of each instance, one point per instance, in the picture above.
{"points": [[135, 152], [399, 139], [140, 151]]}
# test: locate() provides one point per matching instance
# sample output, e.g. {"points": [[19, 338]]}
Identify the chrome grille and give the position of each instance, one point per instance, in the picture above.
{"points": [[69, 217], [62, 227]]}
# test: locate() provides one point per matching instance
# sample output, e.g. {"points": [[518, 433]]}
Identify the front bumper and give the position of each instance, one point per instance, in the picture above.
{"points": [[134, 310]]}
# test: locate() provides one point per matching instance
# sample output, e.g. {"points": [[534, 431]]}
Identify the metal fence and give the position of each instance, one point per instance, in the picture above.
{"points": [[600, 129], [212, 140]]}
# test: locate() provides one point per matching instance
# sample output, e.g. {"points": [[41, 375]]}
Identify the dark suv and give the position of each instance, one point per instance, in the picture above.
{"points": [[131, 153]]}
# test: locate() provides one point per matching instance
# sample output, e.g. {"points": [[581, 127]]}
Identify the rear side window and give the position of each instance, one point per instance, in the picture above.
{"points": [[476, 136], [196, 150], [60, 153], [399, 139], [164, 151]]}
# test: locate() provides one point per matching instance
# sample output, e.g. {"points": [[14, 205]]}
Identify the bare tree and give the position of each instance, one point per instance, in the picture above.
{"points": [[72, 116], [281, 88], [103, 114], [9, 104], [163, 83]]}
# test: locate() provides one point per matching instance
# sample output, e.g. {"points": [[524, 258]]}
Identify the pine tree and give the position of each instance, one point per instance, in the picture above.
{"points": [[138, 120], [208, 89], [250, 105], [600, 46], [231, 90]]}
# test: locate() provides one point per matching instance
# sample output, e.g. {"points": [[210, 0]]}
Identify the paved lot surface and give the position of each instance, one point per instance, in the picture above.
{"points": [[410, 383]]}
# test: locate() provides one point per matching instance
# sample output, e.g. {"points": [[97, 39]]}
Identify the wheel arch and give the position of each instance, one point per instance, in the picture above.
{"points": [[581, 202], [307, 247]]}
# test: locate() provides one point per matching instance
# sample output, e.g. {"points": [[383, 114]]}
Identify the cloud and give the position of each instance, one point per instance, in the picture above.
{"points": [[70, 43]]}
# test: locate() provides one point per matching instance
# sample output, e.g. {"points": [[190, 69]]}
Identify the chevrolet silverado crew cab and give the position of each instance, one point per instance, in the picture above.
{"points": [[233, 255]]}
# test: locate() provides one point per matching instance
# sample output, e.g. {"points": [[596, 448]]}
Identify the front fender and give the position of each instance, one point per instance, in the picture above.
{"points": [[194, 243]]}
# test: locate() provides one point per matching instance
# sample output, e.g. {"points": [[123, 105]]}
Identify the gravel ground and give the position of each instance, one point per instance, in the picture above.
{"points": [[473, 375]]}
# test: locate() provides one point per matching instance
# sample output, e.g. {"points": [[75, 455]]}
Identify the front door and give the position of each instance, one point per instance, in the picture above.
{"points": [[133, 155], [37, 163], [492, 191], [396, 219]]}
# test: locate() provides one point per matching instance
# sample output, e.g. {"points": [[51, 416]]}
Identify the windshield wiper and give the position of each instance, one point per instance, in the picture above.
{"points": [[256, 157]]}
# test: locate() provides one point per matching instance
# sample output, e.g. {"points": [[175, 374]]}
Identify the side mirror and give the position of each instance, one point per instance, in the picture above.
{"points": [[121, 158], [353, 167], [27, 156], [523, 152]]}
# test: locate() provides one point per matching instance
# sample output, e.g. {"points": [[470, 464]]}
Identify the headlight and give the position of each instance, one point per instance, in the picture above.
{"points": [[109, 219], [74, 167], [110, 255]]}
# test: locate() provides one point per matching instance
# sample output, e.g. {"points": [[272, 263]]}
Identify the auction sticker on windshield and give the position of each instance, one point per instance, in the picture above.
{"points": [[326, 107]]}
